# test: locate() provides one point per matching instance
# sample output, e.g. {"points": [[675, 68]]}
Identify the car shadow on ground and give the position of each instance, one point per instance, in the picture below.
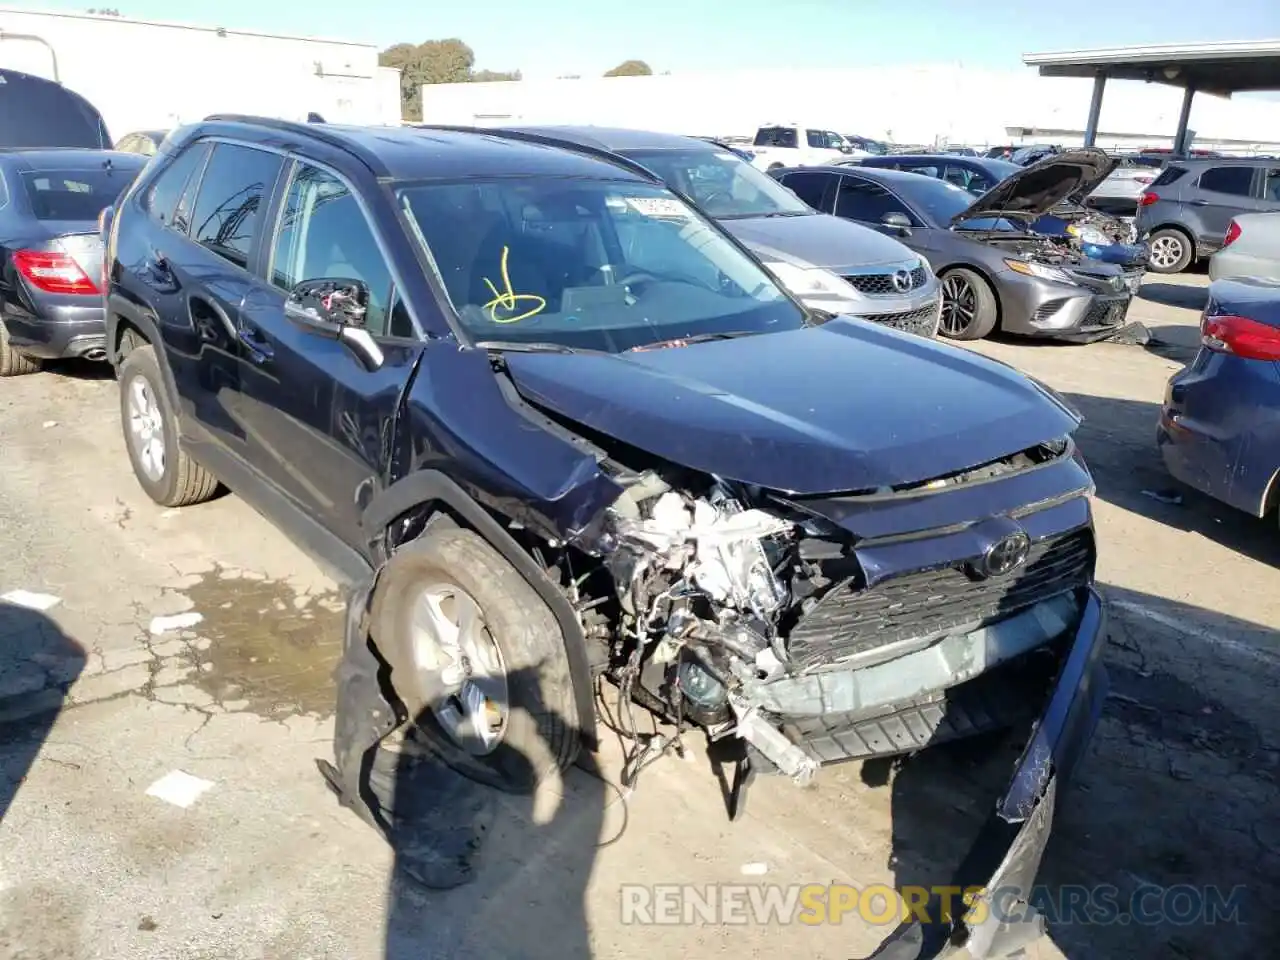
{"points": [[79, 369], [481, 873], [1170, 822], [1118, 441], [1189, 296], [38, 663]]}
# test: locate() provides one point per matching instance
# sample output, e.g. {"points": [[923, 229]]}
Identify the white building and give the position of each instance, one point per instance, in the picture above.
{"points": [[932, 104], [145, 75]]}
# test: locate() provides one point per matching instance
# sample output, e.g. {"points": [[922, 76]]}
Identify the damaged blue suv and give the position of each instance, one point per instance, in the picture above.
{"points": [[551, 423]]}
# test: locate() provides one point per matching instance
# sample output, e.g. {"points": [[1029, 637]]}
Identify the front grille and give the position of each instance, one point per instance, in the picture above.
{"points": [[923, 322], [1047, 309], [848, 620], [1104, 313], [881, 284]]}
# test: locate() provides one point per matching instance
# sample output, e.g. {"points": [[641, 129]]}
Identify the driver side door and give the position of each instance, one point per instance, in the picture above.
{"points": [[320, 408]]}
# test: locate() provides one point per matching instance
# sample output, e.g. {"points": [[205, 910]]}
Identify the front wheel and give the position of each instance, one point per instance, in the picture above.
{"points": [[478, 660], [969, 307]]}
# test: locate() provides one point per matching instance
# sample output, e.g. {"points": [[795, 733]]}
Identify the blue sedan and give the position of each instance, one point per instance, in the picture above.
{"points": [[1219, 430]]}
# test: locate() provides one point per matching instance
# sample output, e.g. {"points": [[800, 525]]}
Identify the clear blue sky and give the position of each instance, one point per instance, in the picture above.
{"points": [[549, 37]]}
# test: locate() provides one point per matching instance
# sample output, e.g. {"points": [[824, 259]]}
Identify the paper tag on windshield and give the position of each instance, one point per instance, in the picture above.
{"points": [[659, 207]]}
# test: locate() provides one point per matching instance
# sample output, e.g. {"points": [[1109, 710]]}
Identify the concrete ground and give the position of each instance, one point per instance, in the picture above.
{"points": [[1180, 787]]}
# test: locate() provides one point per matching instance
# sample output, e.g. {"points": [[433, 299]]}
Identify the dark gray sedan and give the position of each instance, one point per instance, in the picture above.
{"points": [[996, 273]]}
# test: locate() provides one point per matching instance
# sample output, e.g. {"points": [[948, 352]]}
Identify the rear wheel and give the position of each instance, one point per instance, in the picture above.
{"points": [[163, 467], [478, 660], [1171, 251], [969, 307], [13, 363]]}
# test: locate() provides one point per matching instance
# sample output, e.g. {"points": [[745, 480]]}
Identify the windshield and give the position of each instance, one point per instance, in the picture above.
{"points": [[721, 183], [75, 194], [937, 198], [1002, 169], [589, 264]]}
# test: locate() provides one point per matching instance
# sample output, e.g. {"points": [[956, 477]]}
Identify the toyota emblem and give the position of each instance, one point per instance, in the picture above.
{"points": [[1006, 555], [902, 280]]}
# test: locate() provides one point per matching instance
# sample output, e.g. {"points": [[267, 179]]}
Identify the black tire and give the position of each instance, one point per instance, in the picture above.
{"points": [[540, 738], [13, 363], [969, 306], [183, 481], [1173, 248]]}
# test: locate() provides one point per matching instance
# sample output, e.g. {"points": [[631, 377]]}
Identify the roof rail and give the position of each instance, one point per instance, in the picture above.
{"points": [[312, 131], [550, 140]]}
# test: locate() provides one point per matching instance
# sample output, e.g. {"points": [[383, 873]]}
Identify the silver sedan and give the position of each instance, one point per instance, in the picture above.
{"points": [[1252, 248]]}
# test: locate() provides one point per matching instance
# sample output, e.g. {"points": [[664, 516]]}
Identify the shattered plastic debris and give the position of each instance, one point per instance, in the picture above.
{"points": [[754, 869], [30, 600], [1171, 497], [50, 423], [179, 788], [179, 621]]}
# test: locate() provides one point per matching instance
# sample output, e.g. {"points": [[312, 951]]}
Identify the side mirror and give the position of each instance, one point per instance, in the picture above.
{"points": [[329, 303], [899, 223]]}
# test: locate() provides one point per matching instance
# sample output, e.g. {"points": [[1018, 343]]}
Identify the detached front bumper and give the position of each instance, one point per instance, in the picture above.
{"points": [[1043, 308], [1002, 864]]}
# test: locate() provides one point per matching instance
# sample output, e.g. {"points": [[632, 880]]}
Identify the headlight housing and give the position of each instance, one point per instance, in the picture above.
{"points": [[1088, 234], [812, 283], [1040, 270]]}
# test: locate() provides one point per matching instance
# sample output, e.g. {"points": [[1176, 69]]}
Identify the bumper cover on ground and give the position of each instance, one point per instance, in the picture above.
{"points": [[1005, 858]]}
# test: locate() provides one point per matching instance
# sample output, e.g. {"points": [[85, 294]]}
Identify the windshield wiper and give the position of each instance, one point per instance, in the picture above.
{"points": [[695, 338], [520, 346], [761, 216]]}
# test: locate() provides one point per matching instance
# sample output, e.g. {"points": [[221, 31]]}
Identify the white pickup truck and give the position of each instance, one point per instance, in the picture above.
{"points": [[796, 145]]}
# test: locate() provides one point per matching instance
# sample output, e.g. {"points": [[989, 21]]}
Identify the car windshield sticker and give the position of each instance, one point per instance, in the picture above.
{"points": [[507, 300], [663, 207]]}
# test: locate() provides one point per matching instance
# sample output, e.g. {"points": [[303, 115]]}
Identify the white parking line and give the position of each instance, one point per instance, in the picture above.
{"points": [[1247, 650]]}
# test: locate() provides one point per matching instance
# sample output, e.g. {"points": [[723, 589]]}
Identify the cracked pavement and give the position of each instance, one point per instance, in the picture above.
{"points": [[1179, 788]]}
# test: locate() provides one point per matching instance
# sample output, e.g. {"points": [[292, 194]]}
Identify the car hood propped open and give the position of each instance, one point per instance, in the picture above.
{"points": [[1036, 190], [848, 406]]}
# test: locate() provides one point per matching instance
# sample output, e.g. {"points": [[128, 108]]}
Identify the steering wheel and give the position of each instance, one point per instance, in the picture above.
{"points": [[714, 197], [637, 277]]}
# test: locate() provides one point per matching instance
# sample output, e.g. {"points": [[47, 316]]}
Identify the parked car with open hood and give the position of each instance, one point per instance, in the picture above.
{"points": [[1074, 219], [35, 113], [829, 264], [552, 423], [995, 272]]}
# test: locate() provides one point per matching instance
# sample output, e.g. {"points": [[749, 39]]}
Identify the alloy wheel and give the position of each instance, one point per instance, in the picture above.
{"points": [[1166, 251], [455, 653], [146, 429], [959, 305]]}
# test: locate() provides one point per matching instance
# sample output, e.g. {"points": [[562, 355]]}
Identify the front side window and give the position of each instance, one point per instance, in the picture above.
{"points": [[324, 235], [75, 194], [865, 201], [1271, 185], [1235, 180], [592, 264], [721, 183], [228, 210]]}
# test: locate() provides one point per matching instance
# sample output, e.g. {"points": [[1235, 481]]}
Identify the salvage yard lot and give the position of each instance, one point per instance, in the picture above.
{"points": [[1179, 788]]}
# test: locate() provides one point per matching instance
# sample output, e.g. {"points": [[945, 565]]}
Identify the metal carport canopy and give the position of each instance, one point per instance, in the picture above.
{"points": [[1220, 68]]}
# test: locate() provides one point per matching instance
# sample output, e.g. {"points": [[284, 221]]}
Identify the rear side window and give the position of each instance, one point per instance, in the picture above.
{"points": [[776, 137], [162, 199], [1271, 185], [233, 191], [1171, 174], [1236, 181], [809, 187], [74, 194]]}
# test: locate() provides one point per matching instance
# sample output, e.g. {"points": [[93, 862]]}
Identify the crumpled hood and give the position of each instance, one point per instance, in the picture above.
{"points": [[1040, 187], [846, 406], [818, 239]]}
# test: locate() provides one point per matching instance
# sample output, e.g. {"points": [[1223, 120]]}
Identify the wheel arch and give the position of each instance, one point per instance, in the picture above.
{"points": [[437, 494]]}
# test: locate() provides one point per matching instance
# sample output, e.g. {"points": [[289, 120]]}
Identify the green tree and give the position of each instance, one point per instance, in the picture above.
{"points": [[631, 68], [434, 61], [488, 76]]}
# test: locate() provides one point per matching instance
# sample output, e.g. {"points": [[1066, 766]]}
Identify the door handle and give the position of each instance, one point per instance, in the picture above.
{"points": [[158, 263], [259, 351]]}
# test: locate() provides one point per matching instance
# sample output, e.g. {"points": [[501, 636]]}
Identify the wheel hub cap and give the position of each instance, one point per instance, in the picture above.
{"points": [[146, 428], [1165, 251]]}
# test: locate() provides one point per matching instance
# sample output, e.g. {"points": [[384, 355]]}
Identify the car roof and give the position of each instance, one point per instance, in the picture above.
{"points": [[427, 153], [617, 138], [1218, 161], [68, 158], [887, 174]]}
